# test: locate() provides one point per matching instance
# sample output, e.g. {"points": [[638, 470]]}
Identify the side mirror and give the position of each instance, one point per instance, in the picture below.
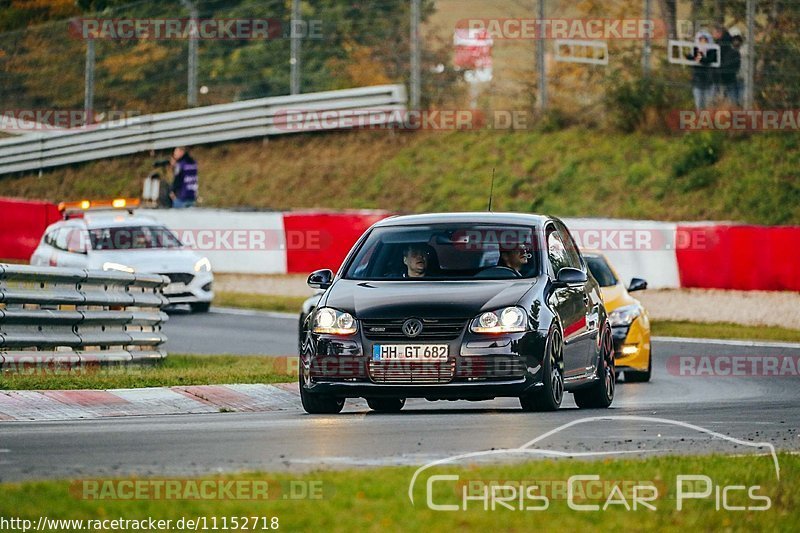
{"points": [[570, 276], [637, 284], [320, 279]]}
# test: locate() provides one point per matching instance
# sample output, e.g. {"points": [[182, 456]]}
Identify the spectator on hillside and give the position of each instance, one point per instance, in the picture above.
{"points": [[184, 183], [730, 61], [702, 78]]}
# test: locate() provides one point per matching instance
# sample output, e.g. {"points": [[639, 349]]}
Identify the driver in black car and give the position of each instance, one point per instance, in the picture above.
{"points": [[514, 257], [415, 257]]}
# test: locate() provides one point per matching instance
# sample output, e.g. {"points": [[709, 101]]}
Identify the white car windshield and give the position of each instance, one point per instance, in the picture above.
{"points": [[133, 238]]}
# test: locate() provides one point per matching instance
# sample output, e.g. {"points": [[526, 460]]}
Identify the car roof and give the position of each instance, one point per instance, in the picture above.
{"points": [[112, 219], [480, 217]]}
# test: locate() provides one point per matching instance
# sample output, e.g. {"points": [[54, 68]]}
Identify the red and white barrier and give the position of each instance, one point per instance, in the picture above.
{"points": [[731, 256], [22, 223], [666, 254]]}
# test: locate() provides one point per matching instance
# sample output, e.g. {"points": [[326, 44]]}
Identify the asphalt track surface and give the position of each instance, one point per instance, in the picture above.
{"points": [[750, 408]]}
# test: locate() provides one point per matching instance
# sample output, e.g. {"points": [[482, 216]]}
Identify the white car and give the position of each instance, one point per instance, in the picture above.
{"points": [[124, 241]]}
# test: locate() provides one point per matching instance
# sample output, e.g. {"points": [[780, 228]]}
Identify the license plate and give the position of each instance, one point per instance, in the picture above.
{"points": [[175, 288], [410, 352]]}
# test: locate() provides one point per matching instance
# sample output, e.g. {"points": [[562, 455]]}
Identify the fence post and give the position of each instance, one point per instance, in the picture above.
{"points": [[540, 61], [646, 49], [294, 40], [191, 64], [749, 75], [88, 95], [415, 54]]}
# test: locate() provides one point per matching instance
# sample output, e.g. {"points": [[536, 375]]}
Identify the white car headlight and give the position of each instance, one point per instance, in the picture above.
{"points": [[334, 322], [118, 267], [506, 320], [203, 265], [625, 315]]}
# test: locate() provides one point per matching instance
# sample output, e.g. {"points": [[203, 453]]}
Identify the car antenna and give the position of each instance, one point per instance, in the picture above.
{"points": [[491, 192]]}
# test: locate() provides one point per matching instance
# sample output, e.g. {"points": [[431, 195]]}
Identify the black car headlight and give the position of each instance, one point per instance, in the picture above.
{"points": [[334, 322], [505, 320], [625, 315]]}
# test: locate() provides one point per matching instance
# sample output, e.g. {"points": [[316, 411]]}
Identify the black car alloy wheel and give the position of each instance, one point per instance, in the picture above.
{"points": [[600, 394], [548, 397]]}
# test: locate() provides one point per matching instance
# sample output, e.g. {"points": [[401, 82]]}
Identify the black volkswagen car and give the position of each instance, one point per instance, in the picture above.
{"points": [[458, 306]]}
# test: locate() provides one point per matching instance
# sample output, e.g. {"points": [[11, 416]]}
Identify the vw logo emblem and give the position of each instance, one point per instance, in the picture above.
{"points": [[412, 327]]}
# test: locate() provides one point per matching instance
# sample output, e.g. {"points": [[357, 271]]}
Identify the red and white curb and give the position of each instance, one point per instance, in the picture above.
{"points": [[27, 405]]}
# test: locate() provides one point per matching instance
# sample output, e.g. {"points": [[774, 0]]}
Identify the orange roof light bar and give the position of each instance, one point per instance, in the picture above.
{"points": [[79, 207]]}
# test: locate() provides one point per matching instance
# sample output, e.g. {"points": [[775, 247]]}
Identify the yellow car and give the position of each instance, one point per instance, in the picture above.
{"points": [[630, 324]]}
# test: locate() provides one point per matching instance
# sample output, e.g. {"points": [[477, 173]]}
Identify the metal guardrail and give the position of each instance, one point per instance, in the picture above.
{"points": [[66, 316], [200, 125]]}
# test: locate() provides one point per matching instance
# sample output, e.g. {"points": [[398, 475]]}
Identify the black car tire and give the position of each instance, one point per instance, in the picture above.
{"points": [[319, 404], [600, 394], [301, 333], [200, 307], [386, 405], [548, 397], [634, 376]]}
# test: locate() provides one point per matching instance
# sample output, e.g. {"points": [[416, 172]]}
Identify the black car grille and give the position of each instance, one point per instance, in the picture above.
{"points": [[179, 277], [411, 372], [439, 329]]}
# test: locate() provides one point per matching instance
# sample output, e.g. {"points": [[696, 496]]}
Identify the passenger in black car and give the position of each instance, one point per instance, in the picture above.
{"points": [[415, 257]]}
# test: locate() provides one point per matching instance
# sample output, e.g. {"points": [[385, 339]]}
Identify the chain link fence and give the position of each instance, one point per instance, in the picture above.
{"points": [[90, 60]]}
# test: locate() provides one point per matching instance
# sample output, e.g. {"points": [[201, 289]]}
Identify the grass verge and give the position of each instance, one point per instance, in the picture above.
{"points": [[577, 171], [377, 499], [261, 302], [174, 370], [723, 330]]}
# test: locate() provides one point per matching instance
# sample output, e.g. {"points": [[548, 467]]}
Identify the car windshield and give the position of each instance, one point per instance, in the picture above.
{"points": [[133, 238], [463, 251], [600, 270]]}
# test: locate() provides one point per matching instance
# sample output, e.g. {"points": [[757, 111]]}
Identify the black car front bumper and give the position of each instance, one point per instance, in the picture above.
{"points": [[478, 368]]}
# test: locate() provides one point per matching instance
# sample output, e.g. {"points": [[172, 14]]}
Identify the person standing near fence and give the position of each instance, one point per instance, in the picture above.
{"points": [[730, 61], [184, 183], [702, 78]]}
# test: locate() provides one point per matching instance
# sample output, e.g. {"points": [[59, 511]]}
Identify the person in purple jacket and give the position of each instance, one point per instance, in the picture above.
{"points": [[184, 183]]}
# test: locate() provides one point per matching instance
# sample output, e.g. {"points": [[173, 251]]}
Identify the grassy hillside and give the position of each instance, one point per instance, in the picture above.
{"points": [[573, 172]]}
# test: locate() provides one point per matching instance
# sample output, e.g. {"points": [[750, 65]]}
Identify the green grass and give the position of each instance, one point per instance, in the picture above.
{"points": [[577, 171], [262, 302], [723, 330], [376, 499], [174, 370]]}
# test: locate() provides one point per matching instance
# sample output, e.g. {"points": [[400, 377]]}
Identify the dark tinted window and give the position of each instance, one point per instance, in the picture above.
{"points": [[556, 252], [573, 256], [448, 251], [600, 270]]}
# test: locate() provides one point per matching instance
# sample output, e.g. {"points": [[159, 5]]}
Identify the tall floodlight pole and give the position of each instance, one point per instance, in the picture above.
{"points": [[294, 38], [415, 54]]}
